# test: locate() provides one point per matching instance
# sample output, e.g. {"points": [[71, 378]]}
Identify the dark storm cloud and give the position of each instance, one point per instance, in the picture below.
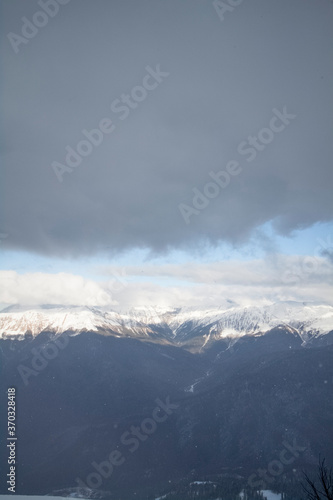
{"points": [[224, 80]]}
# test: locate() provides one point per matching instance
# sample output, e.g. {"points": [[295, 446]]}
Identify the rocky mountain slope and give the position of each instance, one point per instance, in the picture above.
{"points": [[235, 409]]}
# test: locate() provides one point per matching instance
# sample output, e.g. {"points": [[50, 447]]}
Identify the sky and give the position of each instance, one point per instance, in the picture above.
{"points": [[171, 153]]}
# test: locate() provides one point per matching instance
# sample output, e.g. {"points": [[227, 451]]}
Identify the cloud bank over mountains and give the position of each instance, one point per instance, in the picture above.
{"points": [[254, 282]]}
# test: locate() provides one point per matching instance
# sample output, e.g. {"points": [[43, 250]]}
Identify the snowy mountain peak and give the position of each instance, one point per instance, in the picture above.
{"points": [[230, 320]]}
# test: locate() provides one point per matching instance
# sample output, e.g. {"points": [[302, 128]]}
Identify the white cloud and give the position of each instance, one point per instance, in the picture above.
{"points": [[42, 288], [301, 278], [275, 270]]}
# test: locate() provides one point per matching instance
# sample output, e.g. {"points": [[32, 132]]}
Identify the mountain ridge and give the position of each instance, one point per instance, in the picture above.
{"points": [[174, 325]]}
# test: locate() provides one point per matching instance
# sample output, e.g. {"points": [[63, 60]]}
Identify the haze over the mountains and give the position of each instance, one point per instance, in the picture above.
{"points": [[189, 284]]}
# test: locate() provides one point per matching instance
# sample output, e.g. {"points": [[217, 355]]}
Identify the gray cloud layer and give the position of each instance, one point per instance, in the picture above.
{"points": [[224, 80]]}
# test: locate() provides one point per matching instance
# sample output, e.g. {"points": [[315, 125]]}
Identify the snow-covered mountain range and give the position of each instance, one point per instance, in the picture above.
{"points": [[239, 381], [230, 320]]}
